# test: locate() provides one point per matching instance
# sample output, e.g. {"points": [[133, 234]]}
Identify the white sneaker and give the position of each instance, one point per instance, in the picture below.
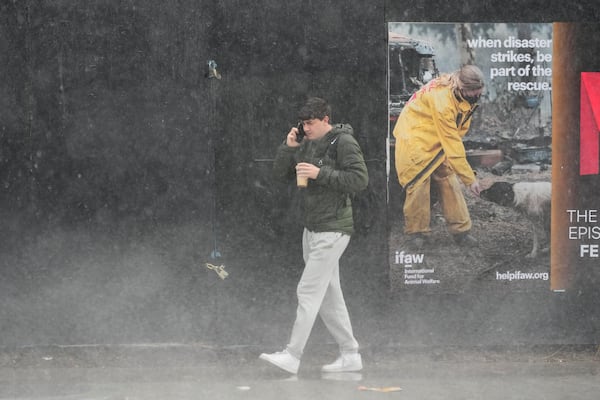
{"points": [[283, 360], [349, 362]]}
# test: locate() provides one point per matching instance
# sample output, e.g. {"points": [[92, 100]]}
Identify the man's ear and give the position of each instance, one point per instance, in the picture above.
{"points": [[326, 119]]}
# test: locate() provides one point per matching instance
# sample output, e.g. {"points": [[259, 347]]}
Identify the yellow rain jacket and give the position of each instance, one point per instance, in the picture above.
{"points": [[429, 131]]}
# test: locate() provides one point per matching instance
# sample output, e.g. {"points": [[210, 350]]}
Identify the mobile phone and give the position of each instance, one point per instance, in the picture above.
{"points": [[300, 134]]}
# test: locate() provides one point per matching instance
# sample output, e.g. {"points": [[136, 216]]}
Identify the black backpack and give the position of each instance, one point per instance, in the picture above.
{"points": [[364, 203]]}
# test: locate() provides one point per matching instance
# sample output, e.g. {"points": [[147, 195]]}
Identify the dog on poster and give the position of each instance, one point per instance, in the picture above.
{"points": [[532, 200]]}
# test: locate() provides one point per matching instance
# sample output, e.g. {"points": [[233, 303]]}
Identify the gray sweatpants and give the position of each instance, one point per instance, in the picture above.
{"points": [[319, 292]]}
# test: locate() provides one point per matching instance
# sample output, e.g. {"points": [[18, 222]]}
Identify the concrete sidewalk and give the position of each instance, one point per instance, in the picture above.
{"points": [[199, 372]]}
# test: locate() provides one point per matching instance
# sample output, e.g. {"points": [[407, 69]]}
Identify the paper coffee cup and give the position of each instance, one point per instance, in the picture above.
{"points": [[301, 181]]}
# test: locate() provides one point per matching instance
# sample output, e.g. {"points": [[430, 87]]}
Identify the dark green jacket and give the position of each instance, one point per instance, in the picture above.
{"points": [[327, 204]]}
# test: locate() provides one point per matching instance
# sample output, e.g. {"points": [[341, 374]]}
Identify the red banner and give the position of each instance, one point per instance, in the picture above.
{"points": [[589, 155]]}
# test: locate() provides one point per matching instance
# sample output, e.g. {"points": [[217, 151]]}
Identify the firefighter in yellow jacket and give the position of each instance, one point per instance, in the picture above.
{"points": [[429, 150]]}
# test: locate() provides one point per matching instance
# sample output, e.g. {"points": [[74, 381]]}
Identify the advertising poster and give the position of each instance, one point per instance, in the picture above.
{"points": [[575, 240], [509, 146]]}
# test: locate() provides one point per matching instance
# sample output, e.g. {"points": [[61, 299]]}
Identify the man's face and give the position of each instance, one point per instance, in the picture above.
{"points": [[316, 128]]}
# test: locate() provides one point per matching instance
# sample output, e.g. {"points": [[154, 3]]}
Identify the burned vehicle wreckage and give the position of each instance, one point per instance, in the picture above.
{"points": [[411, 65]]}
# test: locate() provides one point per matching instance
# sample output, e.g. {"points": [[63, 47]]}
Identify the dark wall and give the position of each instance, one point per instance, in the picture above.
{"points": [[124, 167], [107, 108]]}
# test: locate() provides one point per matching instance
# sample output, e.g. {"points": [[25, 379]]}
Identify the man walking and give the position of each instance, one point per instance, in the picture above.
{"points": [[331, 159]]}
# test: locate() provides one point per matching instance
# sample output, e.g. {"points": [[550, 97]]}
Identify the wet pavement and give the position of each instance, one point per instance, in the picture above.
{"points": [[200, 372]]}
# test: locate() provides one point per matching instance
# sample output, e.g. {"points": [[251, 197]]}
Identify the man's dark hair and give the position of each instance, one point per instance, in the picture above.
{"points": [[315, 107]]}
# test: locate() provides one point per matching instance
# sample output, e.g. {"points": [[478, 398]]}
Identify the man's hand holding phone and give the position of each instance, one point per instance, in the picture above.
{"points": [[295, 136]]}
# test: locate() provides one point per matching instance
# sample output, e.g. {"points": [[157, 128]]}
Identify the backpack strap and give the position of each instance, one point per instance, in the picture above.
{"points": [[331, 151]]}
